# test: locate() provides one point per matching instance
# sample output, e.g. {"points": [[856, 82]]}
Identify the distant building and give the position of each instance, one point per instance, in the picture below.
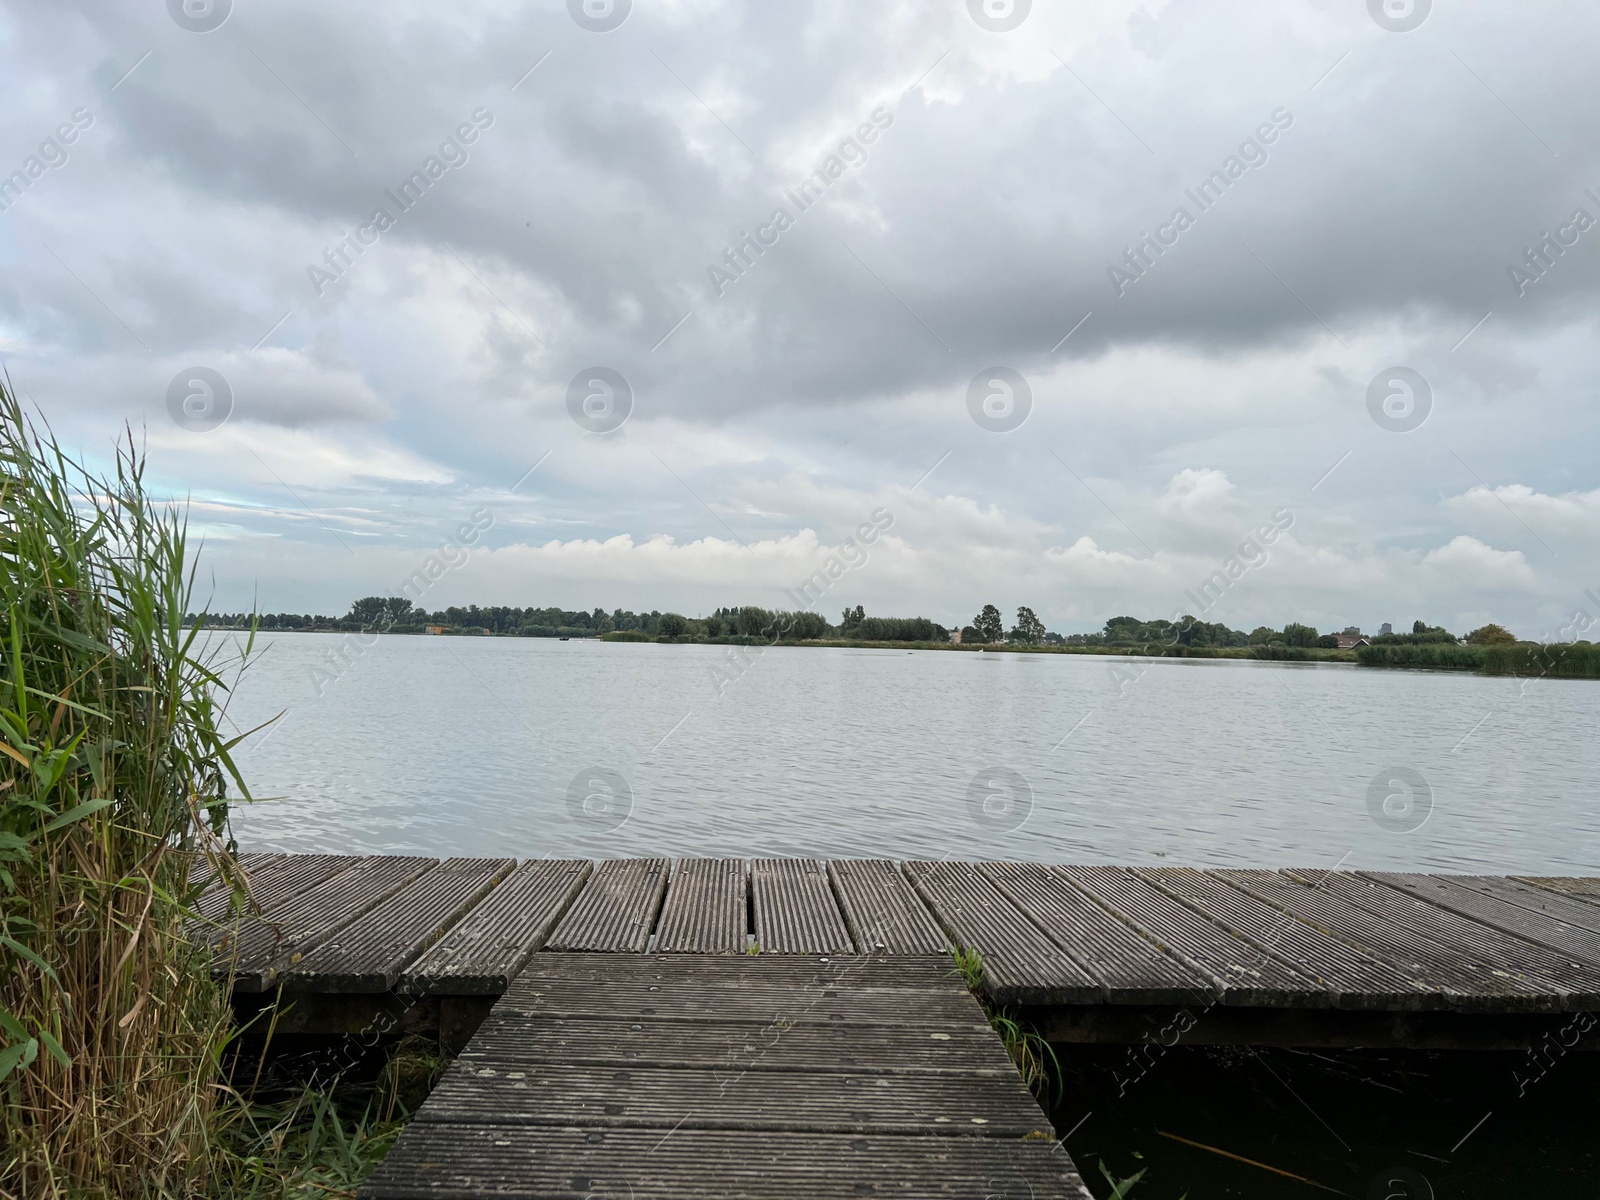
{"points": [[955, 636], [1349, 641], [435, 629], [1385, 629]]}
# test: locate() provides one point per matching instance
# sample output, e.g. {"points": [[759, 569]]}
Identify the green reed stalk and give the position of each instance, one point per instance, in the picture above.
{"points": [[114, 775]]}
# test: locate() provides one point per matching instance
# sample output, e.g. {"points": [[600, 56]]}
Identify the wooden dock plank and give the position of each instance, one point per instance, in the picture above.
{"points": [[482, 952], [1356, 980], [1574, 942], [795, 909], [761, 1003], [707, 909], [727, 1045], [1462, 936], [368, 954], [764, 988], [794, 971], [616, 910], [882, 911], [1578, 887], [254, 949], [451, 1162], [1130, 967], [1240, 973], [1466, 985], [273, 885], [564, 1095], [1569, 909], [1021, 964], [216, 893]]}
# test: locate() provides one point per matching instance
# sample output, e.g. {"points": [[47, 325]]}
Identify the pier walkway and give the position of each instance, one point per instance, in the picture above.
{"points": [[795, 1027], [1075, 936], [681, 1076]]}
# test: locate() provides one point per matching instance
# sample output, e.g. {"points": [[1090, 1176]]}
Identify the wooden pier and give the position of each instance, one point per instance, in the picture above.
{"points": [[682, 1076], [794, 1027], [1048, 935]]}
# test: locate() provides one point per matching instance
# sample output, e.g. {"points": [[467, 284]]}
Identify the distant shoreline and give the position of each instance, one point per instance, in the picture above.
{"points": [[1275, 653], [1527, 660]]}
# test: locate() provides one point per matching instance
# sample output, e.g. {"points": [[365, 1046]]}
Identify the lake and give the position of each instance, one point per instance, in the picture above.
{"points": [[527, 747]]}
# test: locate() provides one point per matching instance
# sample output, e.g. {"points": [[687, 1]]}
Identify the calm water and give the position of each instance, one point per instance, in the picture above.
{"points": [[473, 746]]}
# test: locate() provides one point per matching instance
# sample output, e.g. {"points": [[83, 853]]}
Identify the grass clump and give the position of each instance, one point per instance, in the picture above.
{"points": [[303, 1137], [1035, 1058], [114, 778]]}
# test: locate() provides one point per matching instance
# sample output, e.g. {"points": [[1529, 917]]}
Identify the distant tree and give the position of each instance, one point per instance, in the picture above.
{"points": [[671, 625], [1295, 634], [1328, 642], [969, 635], [1261, 635], [1029, 629], [852, 617], [806, 626], [369, 610], [1491, 635], [989, 626], [1123, 629]]}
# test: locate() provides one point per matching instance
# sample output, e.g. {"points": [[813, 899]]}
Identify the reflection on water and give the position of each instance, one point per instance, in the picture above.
{"points": [[531, 747], [1373, 1125]]}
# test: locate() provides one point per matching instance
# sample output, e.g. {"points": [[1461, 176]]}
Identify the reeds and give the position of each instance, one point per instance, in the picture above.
{"points": [[114, 775], [1553, 660], [1436, 656]]}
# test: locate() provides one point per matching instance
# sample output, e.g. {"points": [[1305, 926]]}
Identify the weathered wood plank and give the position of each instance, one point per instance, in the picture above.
{"points": [[1466, 985], [1563, 906], [456, 1161], [563, 1095], [616, 910], [1240, 973], [482, 951], [1583, 888], [730, 1046], [753, 1000], [1355, 980], [791, 970], [1130, 967], [1461, 937], [368, 954], [255, 949], [882, 911], [795, 910], [215, 892], [707, 909], [1573, 941], [273, 883], [1020, 963]]}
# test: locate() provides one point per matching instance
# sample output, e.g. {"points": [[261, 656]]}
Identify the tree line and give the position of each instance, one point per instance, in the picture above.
{"points": [[753, 623]]}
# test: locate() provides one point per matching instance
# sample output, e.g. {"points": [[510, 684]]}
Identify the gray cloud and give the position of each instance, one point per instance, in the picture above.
{"points": [[1376, 229]]}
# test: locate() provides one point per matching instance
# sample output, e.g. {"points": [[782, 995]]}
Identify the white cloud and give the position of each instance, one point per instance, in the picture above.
{"points": [[1466, 563]]}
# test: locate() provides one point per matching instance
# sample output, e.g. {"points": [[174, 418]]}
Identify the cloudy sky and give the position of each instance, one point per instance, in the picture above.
{"points": [[1350, 330]]}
